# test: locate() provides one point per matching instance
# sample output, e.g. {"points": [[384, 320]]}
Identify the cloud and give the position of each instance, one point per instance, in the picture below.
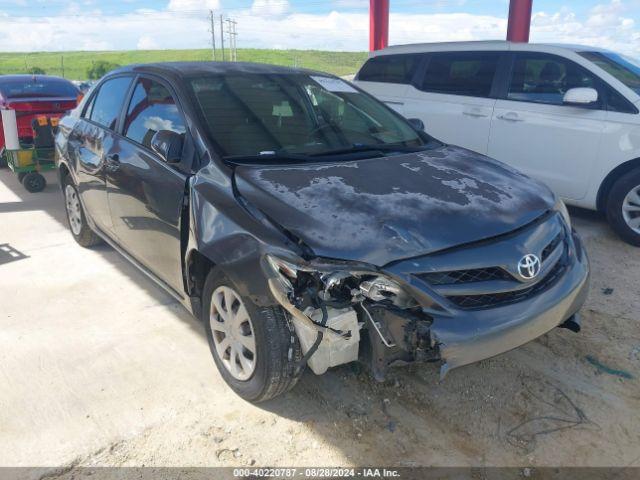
{"points": [[606, 26], [147, 43], [193, 5], [274, 24], [270, 7]]}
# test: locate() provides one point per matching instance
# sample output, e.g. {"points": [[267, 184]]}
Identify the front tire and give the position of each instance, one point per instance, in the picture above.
{"points": [[76, 218], [255, 348], [623, 207]]}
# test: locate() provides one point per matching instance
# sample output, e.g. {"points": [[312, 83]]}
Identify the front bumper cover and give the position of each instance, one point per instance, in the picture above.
{"points": [[478, 335]]}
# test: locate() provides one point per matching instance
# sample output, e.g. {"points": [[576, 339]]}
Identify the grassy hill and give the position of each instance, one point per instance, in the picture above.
{"points": [[76, 64]]}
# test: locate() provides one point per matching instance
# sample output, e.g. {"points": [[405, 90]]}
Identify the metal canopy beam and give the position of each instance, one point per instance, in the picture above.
{"points": [[519, 20], [378, 24]]}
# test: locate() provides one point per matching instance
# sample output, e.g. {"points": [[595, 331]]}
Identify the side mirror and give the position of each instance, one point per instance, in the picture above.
{"points": [[417, 124], [580, 97], [168, 145]]}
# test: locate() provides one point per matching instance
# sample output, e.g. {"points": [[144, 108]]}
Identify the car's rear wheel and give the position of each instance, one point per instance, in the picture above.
{"points": [[623, 207], [78, 225], [255, 348]]}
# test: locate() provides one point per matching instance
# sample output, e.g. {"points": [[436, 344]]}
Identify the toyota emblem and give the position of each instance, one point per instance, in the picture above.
{"points": [[529, 267]]}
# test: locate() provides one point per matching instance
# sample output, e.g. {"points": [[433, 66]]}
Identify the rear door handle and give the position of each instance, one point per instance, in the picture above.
{"points": [[510, 117]]}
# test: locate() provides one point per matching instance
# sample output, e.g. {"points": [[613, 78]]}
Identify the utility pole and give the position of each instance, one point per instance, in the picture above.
{"points": [[231, 31], [235, 41], [222, 36], [62, 64], [213, 35]]}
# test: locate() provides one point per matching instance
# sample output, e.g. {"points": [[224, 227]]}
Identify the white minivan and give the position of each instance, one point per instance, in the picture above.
{"points": [[565, 115]]}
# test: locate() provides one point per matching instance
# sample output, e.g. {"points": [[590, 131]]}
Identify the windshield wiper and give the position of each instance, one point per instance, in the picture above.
{"points": [[376, 147], [266, 158]]}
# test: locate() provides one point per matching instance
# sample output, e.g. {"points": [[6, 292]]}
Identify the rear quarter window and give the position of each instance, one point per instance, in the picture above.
{"points": [[389, 69]]}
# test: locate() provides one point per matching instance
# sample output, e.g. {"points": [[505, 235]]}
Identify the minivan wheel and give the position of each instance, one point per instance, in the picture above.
{"points": [[255, 348], [80, 230], [623, 207]]}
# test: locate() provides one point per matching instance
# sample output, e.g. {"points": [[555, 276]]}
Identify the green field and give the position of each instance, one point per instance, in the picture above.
{"points": [[76, 63]]}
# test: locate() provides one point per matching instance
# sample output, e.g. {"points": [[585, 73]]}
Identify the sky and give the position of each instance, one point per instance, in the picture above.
{"points": [[59, 25]]}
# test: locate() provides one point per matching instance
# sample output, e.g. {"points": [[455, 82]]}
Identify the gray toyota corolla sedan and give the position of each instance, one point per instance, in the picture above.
{"points": [[307, 224]]}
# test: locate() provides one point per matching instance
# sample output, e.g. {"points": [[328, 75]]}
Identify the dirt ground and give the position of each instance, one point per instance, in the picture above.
{"points": [[100, 367]]}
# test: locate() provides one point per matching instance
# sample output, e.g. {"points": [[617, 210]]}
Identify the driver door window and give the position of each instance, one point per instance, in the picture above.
{"points": [[152, 108], [546, 78]]}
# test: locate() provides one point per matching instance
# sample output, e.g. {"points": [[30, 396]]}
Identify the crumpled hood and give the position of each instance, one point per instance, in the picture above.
{"points": [[380, 210]]}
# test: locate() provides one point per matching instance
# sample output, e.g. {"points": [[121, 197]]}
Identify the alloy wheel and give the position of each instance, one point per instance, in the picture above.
{"points": [[233, 334], [631, 209], [73, 209]]}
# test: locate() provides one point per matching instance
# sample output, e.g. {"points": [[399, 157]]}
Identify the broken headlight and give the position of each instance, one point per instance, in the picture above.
{"points": [[337, 284], [561, 208]]}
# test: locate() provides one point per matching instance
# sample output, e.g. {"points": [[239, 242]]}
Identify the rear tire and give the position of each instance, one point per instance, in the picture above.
{"points": [[34, 182], [76, 218], [623, 207], [277, 351]]}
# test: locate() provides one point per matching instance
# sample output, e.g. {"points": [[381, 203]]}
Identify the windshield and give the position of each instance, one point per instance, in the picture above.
{"points": [[625, 69], [35, 87], [271, 114]]}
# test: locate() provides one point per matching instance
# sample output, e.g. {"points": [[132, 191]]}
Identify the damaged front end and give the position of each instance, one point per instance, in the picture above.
{"points": [[343, 312]]}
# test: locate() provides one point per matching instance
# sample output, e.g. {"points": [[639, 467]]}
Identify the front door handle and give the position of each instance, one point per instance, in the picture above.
{"points": [[510, 117]]}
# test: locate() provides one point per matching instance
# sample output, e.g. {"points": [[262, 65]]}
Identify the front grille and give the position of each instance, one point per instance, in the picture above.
{"points": [[465, 276], [505, 298], [549, 249]]}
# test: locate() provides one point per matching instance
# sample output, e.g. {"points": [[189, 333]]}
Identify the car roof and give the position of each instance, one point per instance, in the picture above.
{"points": [[192, 69], [499, 45]]}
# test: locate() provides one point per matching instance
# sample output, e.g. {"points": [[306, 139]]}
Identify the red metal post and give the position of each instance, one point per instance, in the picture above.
{"points": [[519, 20], [378, 24]]}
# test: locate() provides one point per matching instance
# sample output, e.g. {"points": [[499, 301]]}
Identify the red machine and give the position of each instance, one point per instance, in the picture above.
{"points": [[33, 96]]}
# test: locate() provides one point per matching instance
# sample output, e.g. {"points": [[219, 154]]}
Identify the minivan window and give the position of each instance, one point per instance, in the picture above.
{"points": [[623, 68], [152, 108], [389, 69], [542, 78], [461, 73], [108, 102], [251, 114]]}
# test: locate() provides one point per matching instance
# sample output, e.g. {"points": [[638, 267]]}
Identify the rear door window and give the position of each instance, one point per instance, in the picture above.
{"points": [[542, 78], [461, 73], [107, 103], [152, 108], [390, 69]]}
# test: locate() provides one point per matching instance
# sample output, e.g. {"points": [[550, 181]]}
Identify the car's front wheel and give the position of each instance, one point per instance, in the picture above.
{"points": [[78, 225], [623, 207], [255, 348]]}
